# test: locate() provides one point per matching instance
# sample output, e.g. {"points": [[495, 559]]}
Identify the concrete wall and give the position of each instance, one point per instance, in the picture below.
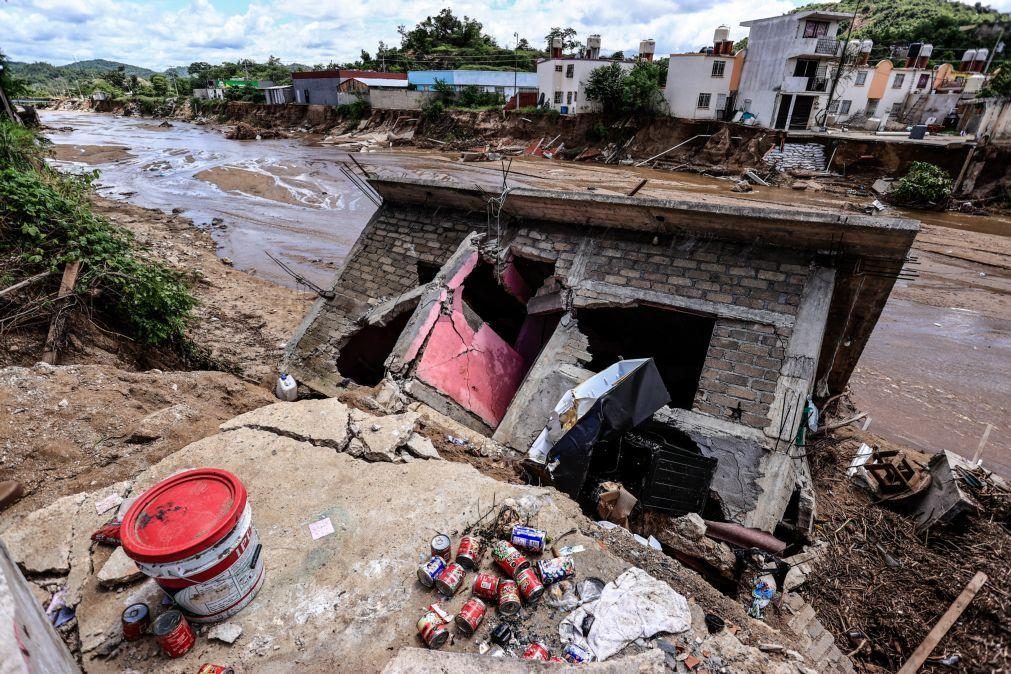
{"points": [[491, 81], [316, 90], [551, 81], [692, 74], [399, 99], [989, 117]]}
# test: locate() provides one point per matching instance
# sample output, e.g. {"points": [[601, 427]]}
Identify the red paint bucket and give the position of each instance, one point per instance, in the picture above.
{"points": [[470, 616], [193, 533], [174, 634]]}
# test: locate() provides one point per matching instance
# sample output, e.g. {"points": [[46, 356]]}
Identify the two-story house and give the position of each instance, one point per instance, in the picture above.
{"points": [[561, 80]]}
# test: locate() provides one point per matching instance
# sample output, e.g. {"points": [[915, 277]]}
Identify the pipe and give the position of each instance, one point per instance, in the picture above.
{"points": [[646, 161], [743, 537]]}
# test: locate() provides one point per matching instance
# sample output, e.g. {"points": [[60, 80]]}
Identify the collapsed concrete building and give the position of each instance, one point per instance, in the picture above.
{"points": [[488, 307]]}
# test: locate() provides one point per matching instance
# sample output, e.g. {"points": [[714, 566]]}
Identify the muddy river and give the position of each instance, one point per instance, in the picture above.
{"points": [[936, 370]]}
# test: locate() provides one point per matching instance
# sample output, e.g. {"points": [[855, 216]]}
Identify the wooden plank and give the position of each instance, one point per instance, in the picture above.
{"points": [[982, 443], [58, 321], [953, 613], [23, 284]]}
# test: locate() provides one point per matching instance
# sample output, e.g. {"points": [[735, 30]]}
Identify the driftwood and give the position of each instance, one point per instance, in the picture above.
{"points": [[23, 284], [953, 613], [59, 321]]}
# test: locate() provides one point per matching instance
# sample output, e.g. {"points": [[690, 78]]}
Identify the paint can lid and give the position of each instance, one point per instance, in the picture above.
{"points": [[183, 515]]}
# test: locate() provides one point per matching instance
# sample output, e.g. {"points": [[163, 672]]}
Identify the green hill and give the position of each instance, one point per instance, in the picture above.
{"points": [[47, 79], [100, 66]]}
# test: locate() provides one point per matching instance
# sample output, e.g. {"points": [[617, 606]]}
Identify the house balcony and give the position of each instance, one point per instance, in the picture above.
{"points": [[818, 47]]}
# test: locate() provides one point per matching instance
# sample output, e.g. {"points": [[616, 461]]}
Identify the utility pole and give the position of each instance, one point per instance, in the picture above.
{"points": [[997, 47], [838, 71]]}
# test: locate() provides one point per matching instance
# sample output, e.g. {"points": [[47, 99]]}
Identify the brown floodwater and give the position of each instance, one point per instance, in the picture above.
{"points": [[932, 376]]}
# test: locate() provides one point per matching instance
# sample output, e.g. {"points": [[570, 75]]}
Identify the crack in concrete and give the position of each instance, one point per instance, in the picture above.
{"points": [[315, 442]]}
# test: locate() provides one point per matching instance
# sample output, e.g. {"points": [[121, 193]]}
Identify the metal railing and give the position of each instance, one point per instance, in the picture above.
{"points": [[828, 46]]}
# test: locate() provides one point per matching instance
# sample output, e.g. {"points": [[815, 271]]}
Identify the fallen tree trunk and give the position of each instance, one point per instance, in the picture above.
{"points": [[59, 321], [23, 284]]}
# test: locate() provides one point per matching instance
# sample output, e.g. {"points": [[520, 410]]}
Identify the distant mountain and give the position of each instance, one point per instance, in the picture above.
{"points": [[99, 66], [180, 71], [45, 78]]}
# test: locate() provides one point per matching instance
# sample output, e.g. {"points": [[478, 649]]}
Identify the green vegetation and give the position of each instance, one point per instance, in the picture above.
{"points": [[354, 112], [999, 84], [924, 185], [46, 221], [635, 92]]}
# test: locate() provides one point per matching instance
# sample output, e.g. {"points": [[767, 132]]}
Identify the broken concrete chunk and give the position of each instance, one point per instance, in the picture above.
{"points": [[686, 535], [40, 542], [422, 447], [225, 632], [157, 424], [119, 570], [321, 422], [383, 436]]}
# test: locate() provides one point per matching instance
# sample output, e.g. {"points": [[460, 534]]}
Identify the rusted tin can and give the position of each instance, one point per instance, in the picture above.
{"points": [[450, 580], [536, 651], [485, 586], [442, 547], [531, 587], [469, 554], [136, 619], [555, 569], [576, 654], [470, 616], [430, 570], [509, 559], [432, 630], [508, 598], [528, 538], [174, 634], [209, 668]]}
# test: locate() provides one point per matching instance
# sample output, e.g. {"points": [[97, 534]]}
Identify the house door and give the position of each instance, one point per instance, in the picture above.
{"points": [[785, 103], [801, 114]]}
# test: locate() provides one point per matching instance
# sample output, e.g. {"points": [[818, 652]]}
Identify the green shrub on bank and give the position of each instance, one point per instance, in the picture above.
{"points": [[354, 112], [924, 185]]}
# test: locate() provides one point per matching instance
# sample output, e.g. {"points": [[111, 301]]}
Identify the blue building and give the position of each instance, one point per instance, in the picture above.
{"points": [[491, 81]]}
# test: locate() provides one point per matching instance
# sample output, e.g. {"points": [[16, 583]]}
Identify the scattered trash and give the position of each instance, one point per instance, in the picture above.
{"points": [[441, 547], [502, 634], [321, 528], [135, 620], [570, 550], [528, 539], [714, 623], [286, 388], [614, 503], [173, 633], [456, 441], [225, 632], [432, 630], [762, 594]]}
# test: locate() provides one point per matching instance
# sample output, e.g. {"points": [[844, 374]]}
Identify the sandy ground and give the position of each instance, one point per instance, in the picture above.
{"points": [[91, 154]]}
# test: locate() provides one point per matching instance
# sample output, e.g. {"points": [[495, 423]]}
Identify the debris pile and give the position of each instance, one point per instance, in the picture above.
{"points": [[797, 156], [243, 131]]}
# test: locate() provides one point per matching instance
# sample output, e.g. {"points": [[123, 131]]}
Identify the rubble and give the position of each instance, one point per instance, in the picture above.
{"points": [[227, 633], [118, 570]]}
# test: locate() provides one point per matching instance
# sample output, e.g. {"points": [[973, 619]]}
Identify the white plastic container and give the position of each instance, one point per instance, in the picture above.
{"points": [[286, 388]]}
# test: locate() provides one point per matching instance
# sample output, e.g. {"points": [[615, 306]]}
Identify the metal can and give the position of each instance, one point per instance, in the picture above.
{"points": [[174, 634], [430, 570], [536, 651], [508, 598], [470, 616], [450, 580], [509, 559], [432, 630], [528, 538], [208, 668], [469, 554], [485, 586], [502, 634], [576, 654], [555, 569], [531, 587], [442, 547], [136, 619]]}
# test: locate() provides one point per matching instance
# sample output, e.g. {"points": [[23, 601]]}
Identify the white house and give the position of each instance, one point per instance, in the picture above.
{"points": [[784, 82], [561, 81], [703, 85]]}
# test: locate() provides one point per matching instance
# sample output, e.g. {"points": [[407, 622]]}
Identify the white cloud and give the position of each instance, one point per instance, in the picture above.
{"points": [[161, 34]]}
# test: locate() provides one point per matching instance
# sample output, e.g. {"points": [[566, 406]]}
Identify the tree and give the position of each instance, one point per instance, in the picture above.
{"points": [[134, 83], [116, 78], [635, 92], [14, 87], [999, 84], [568, 35], [924, 185], [604, 86], [444, 29], [159, 85], [523, 45], [618, 56]]}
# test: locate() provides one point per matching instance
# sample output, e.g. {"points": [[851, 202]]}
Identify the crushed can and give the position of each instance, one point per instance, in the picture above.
{"points": [[530, 586], [210, 668], [555, 569], [508, 558], [442, 546], [469, 554], [502, 634], [576, 654], [485, 586], [536, 651], [508, 598], [173, 633], [136, 619], [431, 570], [450, 580], [470, 616], [432, 630], [528, 538]]}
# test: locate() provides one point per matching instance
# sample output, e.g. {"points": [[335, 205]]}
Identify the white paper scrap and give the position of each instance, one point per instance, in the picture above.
{"points": [[321, 528]]}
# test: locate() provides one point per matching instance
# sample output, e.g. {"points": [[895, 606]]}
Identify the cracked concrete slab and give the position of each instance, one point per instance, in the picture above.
{"points": [[319, 422], [383, 436], [424, 661], [87, 521], [118, 570], [40, 542], [422, 447]]}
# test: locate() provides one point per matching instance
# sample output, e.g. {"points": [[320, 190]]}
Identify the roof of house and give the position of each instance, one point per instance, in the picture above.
{"points": [[380, 82], [809, 14], [346, 74]]}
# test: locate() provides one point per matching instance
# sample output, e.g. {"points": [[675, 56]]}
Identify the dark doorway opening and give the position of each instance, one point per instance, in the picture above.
{"points": [[496, 306], [783, 114], [676, 341], [363, 357], [801, 114], [533, 272]]}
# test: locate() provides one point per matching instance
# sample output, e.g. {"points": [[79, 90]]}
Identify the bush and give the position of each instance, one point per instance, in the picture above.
{"points": [[21, 148], [924, 185], [433, 110], [354, 112], [597, 132]]}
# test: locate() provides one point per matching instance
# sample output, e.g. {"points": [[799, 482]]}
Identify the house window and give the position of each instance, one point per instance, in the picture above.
{"points": [[815, 28], [899, 79], [558, 97], [861, 78], [575, 95], [872, 106], [896, 109], [703, 102], [833, 107], [568, 97], [844, 107], [805, 68], [747, 105], [924, 81], [558, 68], [570, 70], [718, 68]]}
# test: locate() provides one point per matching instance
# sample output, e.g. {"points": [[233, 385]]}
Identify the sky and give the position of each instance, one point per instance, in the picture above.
{"points": [[158, 34]]}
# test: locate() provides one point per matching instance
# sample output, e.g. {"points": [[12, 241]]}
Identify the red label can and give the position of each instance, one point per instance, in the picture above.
{"points": [[509, 558], [208, 668], [450, 580], [485, 586], [470, 616], [536, 651], [508, 598], [531, 587], [136, 619], [442, 547], [469, 554], [432, 630], [174, 634]]}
